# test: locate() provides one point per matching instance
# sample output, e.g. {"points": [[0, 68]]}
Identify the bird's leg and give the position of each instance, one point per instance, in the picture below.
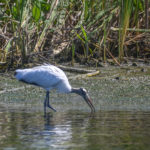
{"points": [[48, 101], [45, 102]]}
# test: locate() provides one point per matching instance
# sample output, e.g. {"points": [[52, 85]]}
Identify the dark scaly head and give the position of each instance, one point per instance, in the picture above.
{"points": [[82, 92]]}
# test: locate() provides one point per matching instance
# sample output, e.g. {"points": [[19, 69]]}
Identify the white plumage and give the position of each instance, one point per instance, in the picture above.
{"points": [[46, 76], [50, 77]]}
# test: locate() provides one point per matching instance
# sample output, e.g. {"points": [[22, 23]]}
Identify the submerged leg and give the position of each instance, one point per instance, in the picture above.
{"points": [[48, 102]]}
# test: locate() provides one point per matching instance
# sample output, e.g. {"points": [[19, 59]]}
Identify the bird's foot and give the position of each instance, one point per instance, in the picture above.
{"points": [[51, 107]]}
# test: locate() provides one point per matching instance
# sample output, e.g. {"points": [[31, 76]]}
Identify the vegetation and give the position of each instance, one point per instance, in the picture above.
{"points": [[31, 31]]}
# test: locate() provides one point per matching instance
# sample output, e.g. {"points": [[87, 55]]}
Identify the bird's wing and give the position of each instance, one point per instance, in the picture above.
{"points": [[46, 76], [62, 84]]}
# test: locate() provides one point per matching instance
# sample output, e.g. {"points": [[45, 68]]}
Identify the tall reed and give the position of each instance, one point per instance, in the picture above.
{"points": [[126, 8], [29, 24]]}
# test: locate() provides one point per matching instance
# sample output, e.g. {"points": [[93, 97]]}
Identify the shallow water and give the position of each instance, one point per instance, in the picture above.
{"points": [[122, 119], [74, 130]]}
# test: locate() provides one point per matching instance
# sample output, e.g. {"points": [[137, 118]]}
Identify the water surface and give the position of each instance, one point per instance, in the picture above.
{"points": [[75, 130]]}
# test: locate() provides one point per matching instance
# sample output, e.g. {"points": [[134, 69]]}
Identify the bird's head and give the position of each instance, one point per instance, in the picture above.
{"points": [[82, 92]]}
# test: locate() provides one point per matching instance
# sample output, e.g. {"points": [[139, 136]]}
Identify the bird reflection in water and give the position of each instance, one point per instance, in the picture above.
{"points": [[53, 135]]}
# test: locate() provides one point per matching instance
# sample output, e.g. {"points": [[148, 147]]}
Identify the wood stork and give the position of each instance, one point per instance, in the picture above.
{"points": [[50, 77]]}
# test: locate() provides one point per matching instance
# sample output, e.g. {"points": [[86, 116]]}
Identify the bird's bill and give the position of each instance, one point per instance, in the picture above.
{"points": [[89, 102]]}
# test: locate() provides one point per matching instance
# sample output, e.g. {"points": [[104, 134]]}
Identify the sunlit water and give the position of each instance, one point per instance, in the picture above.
{"points": [[121, 121]]}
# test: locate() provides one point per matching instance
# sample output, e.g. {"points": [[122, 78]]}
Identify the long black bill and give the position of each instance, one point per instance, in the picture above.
{"points": [[89, 102]]}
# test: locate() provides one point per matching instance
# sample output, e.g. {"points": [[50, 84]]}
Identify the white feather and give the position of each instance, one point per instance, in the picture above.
{"points": [[46, 76]]}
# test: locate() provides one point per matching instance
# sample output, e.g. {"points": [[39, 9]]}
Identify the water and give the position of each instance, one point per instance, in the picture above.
{"points": [[121, 121], [20, 130]]}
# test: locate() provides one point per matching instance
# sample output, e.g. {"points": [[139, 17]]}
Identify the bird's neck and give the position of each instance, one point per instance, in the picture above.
{"points": [[76, 90]]}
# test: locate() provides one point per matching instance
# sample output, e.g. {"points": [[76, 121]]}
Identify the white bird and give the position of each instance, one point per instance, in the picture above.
{"points": [[50, 77]]}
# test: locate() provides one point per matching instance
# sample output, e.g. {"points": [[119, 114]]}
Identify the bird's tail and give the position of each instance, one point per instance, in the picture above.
{"points": [[17, 74]]}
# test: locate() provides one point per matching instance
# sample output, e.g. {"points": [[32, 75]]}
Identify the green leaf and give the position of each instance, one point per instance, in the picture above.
{"points": [[45, 7], [85, 9], [80, 37], [14, 12], [84, 33], [36, 13]]}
